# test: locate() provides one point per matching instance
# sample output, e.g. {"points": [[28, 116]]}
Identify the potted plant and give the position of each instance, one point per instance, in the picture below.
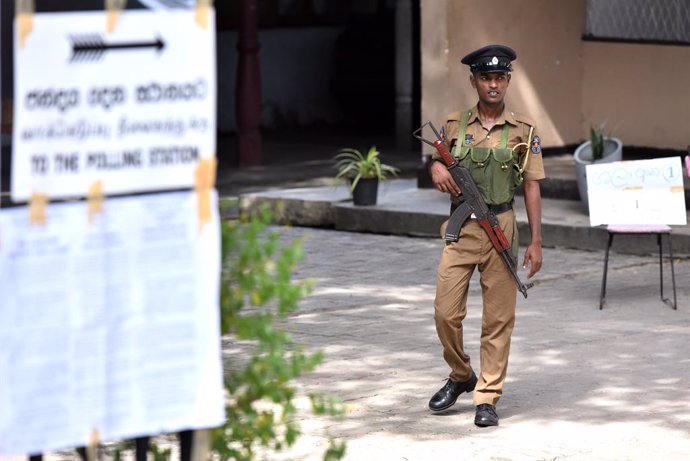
{"points": [[364, 173], [599, 149]]}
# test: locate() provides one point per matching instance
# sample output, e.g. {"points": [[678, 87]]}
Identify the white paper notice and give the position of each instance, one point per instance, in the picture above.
{"points": [[134, 108], [637, 192], [110, 326]]}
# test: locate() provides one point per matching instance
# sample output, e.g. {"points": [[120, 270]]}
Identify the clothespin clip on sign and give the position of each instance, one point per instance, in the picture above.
{"points": [[201, 12], [25, 13], [95, 199], [37, 208], [204, 181], [113, 10]]}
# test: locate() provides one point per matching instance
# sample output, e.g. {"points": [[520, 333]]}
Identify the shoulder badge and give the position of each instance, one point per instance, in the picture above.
{"points": [[536, 145], [469, 139]]}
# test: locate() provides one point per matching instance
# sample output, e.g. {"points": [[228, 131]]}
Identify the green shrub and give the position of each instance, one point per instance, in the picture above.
{"points": [[257, 291]]}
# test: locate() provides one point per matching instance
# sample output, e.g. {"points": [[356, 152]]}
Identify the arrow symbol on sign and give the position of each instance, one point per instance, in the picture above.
{"points": [[92, 47]]}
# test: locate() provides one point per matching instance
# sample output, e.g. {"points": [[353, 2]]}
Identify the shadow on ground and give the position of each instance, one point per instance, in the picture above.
{"points": [[573, 366]]}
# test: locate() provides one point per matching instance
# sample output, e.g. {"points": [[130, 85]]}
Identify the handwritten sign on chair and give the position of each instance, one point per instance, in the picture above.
{"points": [[637, 192]]}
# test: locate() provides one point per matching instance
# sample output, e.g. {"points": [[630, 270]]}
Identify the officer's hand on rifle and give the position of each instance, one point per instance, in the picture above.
{"points": [[442, 178]]}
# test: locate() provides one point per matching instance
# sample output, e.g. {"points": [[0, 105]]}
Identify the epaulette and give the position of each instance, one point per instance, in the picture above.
{"points": [[453, 117], [524, 119]]}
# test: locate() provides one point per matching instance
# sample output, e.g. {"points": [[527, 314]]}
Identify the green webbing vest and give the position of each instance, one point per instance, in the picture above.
{"points": [[496, 170]]}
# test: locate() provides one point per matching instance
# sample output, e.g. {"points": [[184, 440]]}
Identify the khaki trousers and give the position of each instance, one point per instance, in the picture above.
{"points": [[499, 293]]}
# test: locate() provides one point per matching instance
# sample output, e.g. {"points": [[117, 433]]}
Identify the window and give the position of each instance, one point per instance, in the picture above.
{"points": [[640, 21]]}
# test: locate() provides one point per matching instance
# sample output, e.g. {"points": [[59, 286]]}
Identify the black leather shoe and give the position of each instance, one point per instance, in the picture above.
{"points": [[486, 415], [448, 394]]}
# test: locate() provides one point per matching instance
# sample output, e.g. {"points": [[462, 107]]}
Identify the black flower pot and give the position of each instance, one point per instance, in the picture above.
{"points": [[365, 191]]}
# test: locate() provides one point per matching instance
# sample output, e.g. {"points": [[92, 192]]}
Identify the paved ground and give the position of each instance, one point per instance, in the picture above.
{"points": [[583, 383]]}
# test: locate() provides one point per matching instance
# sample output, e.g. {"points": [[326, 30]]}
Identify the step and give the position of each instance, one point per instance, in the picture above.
{"points": [[405, 209]]}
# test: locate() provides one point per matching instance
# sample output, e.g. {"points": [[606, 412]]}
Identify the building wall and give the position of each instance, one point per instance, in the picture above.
{"points": [[564, 83], [641, 91]]}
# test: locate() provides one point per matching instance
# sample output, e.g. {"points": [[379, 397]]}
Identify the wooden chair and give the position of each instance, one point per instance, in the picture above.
{"points": [[655, 229]]}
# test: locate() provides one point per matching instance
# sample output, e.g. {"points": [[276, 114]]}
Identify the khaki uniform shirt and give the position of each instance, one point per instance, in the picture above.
{"points": [[477, 136]]}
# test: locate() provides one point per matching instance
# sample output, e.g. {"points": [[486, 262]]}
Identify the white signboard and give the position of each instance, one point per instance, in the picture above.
{"points": [[134, 109], [637, 192], [110, 327]]}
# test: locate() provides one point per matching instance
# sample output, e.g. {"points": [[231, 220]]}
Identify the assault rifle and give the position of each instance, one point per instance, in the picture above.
{"points": [[473, 205]]}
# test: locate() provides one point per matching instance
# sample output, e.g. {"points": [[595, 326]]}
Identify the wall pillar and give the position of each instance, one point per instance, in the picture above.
{"points": [[248, 87], [403, 74]]}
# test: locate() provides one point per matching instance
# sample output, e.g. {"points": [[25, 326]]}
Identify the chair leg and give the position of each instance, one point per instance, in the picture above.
{"points": [[661, 268], [602, 298], [674, 305], [141, 448]]}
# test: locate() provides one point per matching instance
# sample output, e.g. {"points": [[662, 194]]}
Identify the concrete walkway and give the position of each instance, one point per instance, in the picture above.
{"points": [[584, 384], [405, 209]]}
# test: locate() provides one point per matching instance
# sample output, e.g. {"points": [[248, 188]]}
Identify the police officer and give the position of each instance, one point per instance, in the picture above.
{"points": [[502, 150]]}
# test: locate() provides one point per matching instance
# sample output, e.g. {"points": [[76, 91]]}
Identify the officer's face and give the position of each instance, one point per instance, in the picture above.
{"points": [[491, 86]]}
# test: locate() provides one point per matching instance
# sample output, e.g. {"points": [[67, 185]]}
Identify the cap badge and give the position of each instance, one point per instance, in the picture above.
{"points": [[494, 61]]}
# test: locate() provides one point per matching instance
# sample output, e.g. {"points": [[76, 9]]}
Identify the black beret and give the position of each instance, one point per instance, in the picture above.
{"points": [[491, 58]]}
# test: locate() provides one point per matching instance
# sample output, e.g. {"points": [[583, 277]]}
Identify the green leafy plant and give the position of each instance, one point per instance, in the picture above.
{"points": [[596, 137], [257, 291], [354, 165]]}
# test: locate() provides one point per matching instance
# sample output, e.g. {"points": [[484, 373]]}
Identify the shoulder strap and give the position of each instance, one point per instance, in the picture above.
{"points": [[463, 125], [504, 136]]}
